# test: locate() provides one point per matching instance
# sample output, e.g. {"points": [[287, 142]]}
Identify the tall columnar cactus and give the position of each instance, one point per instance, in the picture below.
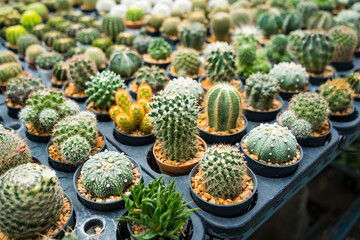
{"points": [[32, 193], [223, 107], [106, 172], [292, 20], [311, 107], [80, 69], [291, 76], [134, 14], [60, 71], [272, 143], [30, 18], [125, 63], [338, 94], [19, 89], [345, 41], [192, 35], [320, 20], [7, 56], [261, 90], [153, 75], [354, 80], [314, 51], [187, 63], [102, 43], [13, 150], [223, 170], [220, 26], [97, 55], [125, 38], [269, 22], [102, 88], [9, 71], [112, 25], [187, 86], [170, 27], [33, 51], [220, 66], [13, 33], [277, 50], [87, 35], [50, 37], [159, 49], [174, 115], [24, 42]]}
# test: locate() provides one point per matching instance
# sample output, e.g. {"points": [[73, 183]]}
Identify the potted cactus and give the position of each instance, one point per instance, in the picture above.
{"points": [[125, 38], [102, 43], [277, 50], [44, 108], [153, 24], [187, 86], [59, 75], [88, 5], [169, 30], [141, 43], [159, 53], [32, 52], [86, 36], [134, 18], [125, 63], [320, 20], [46, 62], [8, 72], [186, 63], [24, 42], [30, 18], [222, 184], [192, 35], [62, 45], [112, 26], [98, 56], [73, 140], [292, 20], [220, 27], [50, 37], [354, 80], [75, 51], [269, 22], [13, 33], [101, 191], [54, 21]]}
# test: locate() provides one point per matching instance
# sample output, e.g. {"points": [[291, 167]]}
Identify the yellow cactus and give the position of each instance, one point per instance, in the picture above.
{"points": [[114, 111], [144, 91], [123, 99], [145, 104], [125, 123], [137, 113], [145, 126]]}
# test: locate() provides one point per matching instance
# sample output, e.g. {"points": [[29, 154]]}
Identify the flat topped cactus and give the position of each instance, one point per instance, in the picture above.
{"points": [[106, 172], [272, 143], [291, 76]]}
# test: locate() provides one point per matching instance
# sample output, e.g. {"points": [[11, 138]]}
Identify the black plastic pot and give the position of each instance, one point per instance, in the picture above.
{"points": [[128, 80], [268, 170], [159, 65], [343, 66], [345, 118], [288, 95], [226, 139], [357, 54], [202, 78], [100, 206], [152, 34], [232, 210], [103, 117], [37, 138], [132, 140], [172, 42], [77, 99], [54, 85], [70, 223], [13, 111], [319, 80], [263, 116], [35, 160], [105, 68], [91, 224], [171, 76]]}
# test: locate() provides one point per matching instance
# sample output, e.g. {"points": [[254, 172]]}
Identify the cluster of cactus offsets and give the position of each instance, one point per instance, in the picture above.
{"points": [[125, 63], [269, 22], [314, 51], [153, 75], [192, 35], [287, 118], [9, 71], [134, 14], [7, 56], [32, 193], [155, 21], [294, 38], [102, 88], [80, 69], [220, 65], [159, 49], [8, 16], [223, 170], [141, 43], [13, 33], [277, 50], [33, 51], [272, 143], [186, 62], [13, 150], [299, 127], [187, 86], [174, 115], [25, 41], [311, 107], [97, 55], [291, 21], [45, 107], [102, 43], [19, 89], [320, 20], [338, 94], [60, 71], [170, 26], [220, 26], [125, 38], [261, 89], [87, 35], [112, 25], [105, 173], [48, 60], [30, 18], [354, 80], [223, 107], [345, 41], [291, 76], [40, 8]]}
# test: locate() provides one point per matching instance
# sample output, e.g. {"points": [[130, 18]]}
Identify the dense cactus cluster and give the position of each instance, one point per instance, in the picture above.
{"points": [[80, 69], [338, 94], [19, 89], [153, 75], [291, 76], [187, 86], [187, 63]]}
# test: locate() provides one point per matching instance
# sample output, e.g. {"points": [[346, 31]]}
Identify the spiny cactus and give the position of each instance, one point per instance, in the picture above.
{"points": [[291, 76], [220, 66], [112, 25], [87, 36], [97, 55], [192, 35], [134, 14], [325, 4], [80, 69], [32, 193], [277, 50], [261, 90], [187, 86], [300, 128], [159, 49], [320, 20], [75, 150], [223, 107], [174, 115], [153, 75], [13, 33], [307, 9], [272, 143], [125, 38], [33, 51], [223, 170], [354, 80], [141, 43], [269, 22], [50, 37], [292, 20], [294, 38], [60, 71], [186, 63], [7, 56], [155, 21], [9, 71], [48, 60], [220, 26], [87, 21], [102, 43], [64, 26], [287, 118], [170, 27], [338, 94], [345, 41], [63, 5], [102, 88], [144, 91], [30, 18], [123, 100], [19, 89], [75, 51], [125, 63], [8, 16], [53, 21], [240, 17], [74, 29], [24, 42]]}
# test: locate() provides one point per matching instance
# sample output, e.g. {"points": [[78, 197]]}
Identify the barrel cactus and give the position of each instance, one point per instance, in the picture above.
{"points": [[13, 33], [80, 69], [240, 17], [8, 16], [291, 76], [30, 18], [24, 42], [87, 21], [141, 43], [48, 60], [192, 35], [220, 65], [154, 21], [159, 49], [294, 38], [7, 56], [187, 63], [125, 38], [277, 50], [54, 21], [75, 51], [87, 35], [40, 30], [96, 55], [169, 28], [50, 37], [102, 43], [269, 22], [292, 20], [320, 20], [32, 52], [345, 41], [220, 26], [112, 25], [60, 71], [188, 86], [40, 8], [134, 14], [354, 80], [338, 94], [307, 9], [19, 89], [125, 63], [153, 75], [9, 71]]}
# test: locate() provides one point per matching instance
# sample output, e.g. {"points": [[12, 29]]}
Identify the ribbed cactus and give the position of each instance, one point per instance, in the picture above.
{"points": [[314, 51], [125, 63], [220, 65], [261, 90], [102, 43], [223, 107], [74, 29], [13, 33], [187, 86], [186, 62], [300, 128], [294, 38], [311, 107], [155, 21], [64, 27], [107, 172], [144, 91], [102, 88], [63, 5], [19, 89], [220, 26], [40, 8], [97, 55], [174, 115], [60, 71], [292, 20], [170, 27], [80, 69], [50, 37], [223, 169], [354, 80], [13, 150], [75, 51], [30, 18], [159, 49], [33, 51], [141, 43], [192, 35], [338, 94], [125, 38], [24, 42], [307, 9], [320, 20], [112, 25], [291, 76], [32, 193], [345, 41], [272, 143], [134, 14], [240, 17], [87, 21], [8, 16], [269, 22], [87, 35], [153, 75], [277, 50], [287, 118], [48, 60], [54, 21], [7, 56], [9, 71]]}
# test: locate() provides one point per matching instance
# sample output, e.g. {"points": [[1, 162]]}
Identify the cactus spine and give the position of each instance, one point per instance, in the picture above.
{"points": [[192, 35], [291, 76], [345, 41], [338, 94], [112, 25], [220, 65]]}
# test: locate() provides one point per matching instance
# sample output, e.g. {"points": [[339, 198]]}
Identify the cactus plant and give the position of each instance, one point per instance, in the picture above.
{"points": [[7, 56], [35, 188], [64, 26], [87, 21], [134, 14], [75, 51], [32, 52], [73, 29], [74, 16], [50, 37], [307, 9], [112, 25], [9, 71], [272, 143], [125, 38], [277, 50], [87, 35], [39, 30], [338, 94], [354, 80], [13, 33], [325, 4], [240, 17], [123, 100], [291, 76], [220, 65], [186, 63], [153, 75], [287, 118], [54, 21], [63, 5], [104, 6], [97, 55], [102, 43], [320, 20], [223, 170], [187, 86], [48, 60], [154, 21], [125, 63], [9, 16], [159, 49], [269, 22], [169, 27], [292, 20], [80, 69], [74, 150], [88, 4], [19, 89], [220, 26], [40, 8], [29, 19], [144, 91], [345, 42], [24, 42], [294, 38], [192, 35], [300, 128], [261, 90], [141, 43], [60, 71]]}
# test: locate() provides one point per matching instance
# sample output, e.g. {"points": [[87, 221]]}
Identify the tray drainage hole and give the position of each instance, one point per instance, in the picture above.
{"points": [[94, 226]]}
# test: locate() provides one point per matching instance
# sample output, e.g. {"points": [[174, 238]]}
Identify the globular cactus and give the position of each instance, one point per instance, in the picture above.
{"points": [[105, 173], [19, 89], [13, 33], [292, 20], [80, 69], [125, 63], [9, 16], [197, 17], [125, 123], [220, 65], [345, 41], [97, 55], [40, 8], [272, 143], [54, 21], [75, 150], [187, 63], [220, 26], [170, 27], [187, 86], [75, 51], [35, 188], [223, 171], [269, 22], [33, 51], [88, 4], [102, 43], [277, 50], [60, 71], [7, 56], [102, 88], [354, 80], [159, 49], [294, 38], [261, 90], [87, 35], [13, 150], [87, 21], [291, 76], [112, 25], [30, 18], [314, 51], [134, 14], [240, 17], [320, 20], [64, 27], [125, 38], [192, 35], [123, 100], [307, 9], [325, 4], [104, 6], [50, 37], [311, 107], [154, 21], [75, 16], [287, 118], [223, 107], [24, 42], [48, 60], [141, 43], [9, 71], [63, 5], [338, 94], [73, 30], [144, 91], [174, 115], [300, 128], [153, 75]]}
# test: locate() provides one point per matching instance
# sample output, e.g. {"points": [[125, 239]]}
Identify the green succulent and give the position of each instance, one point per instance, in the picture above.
{"points": [[159, 49], [79, 72], [97, 55], [338, 94], [277, 50], [102, 43], [125, 38], [192, 35], [112, 25], [153, 75], [125, 62], [186, 63], [187, 86], [291, 76], [87, 35]]}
